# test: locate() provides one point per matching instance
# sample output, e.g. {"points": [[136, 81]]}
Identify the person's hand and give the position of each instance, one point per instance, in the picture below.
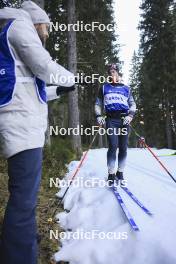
{"points": [[62, 89], [127, 120], [100, 120]]}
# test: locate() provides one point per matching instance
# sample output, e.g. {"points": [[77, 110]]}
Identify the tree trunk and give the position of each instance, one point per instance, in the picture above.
{"points": [[100, 141], [169, 129], [72, 64]]}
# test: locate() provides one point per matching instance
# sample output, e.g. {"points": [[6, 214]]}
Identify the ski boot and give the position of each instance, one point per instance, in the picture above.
{"points": [[119, 178], [111, 179]]}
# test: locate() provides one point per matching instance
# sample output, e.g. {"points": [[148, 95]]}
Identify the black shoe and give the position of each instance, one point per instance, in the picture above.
{"points": [[119, 175], [111, 178], [119, 178]]}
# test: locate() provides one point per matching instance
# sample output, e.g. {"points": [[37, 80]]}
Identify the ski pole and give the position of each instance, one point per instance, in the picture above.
{"points": [[77, 170], [153, 154]]}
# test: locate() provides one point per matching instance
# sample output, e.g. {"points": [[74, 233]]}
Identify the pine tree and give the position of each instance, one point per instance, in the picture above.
{"points": [[157, 71], [2, 4], [94, 51], [135, 86], [74, 116], [11, 3]]}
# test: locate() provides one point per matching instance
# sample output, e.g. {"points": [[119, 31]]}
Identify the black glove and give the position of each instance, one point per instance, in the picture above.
{"points": [[61, 89]]}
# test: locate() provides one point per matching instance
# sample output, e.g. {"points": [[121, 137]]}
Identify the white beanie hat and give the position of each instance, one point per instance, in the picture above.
{"points": [[38, 15]]}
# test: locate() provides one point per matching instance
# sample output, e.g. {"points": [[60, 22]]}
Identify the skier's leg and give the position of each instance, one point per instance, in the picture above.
{"points": [[19, 243], [113, 144], [123, 145]]}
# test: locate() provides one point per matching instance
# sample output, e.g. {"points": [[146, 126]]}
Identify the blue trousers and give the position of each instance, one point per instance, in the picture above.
{"points": [[19, 233], [116, 141]]}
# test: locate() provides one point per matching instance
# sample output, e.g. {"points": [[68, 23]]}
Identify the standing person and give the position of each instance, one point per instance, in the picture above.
{"points": [[117, 101], [25, 67]]}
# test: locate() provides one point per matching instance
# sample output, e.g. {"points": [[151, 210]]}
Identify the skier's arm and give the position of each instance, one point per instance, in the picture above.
{"points": [[54, 92], [132, 105], [25, 40], [99, 103]]}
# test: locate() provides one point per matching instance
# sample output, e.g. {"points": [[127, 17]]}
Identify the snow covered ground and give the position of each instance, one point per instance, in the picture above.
{"points": [[95, 211]]}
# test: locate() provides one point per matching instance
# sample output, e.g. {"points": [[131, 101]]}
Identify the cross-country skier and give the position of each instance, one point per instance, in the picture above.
{"points": [[119, 107], [25, 67]]}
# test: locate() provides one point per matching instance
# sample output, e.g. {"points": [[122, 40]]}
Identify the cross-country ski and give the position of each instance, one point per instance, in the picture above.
{"points": [[125, 209], [135, 199]]}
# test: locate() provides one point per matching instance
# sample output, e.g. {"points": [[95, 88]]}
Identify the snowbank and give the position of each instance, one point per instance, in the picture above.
{"points": [[95, 213]]}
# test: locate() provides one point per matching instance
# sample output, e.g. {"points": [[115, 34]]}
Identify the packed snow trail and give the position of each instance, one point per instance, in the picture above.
{"points": [[96, 208], [136, 200]]}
